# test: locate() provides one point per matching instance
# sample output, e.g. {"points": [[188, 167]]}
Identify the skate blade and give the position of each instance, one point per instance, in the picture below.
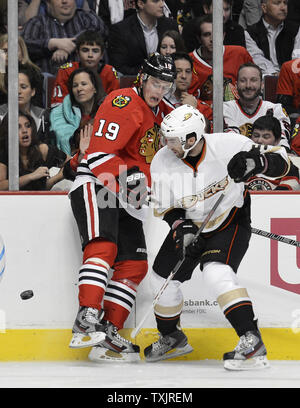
{"points": [[100, 354], [254, 363], [177, 352], [81, 340]]}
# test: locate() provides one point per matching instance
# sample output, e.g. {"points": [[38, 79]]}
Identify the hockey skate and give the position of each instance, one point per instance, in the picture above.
{"points": [[114, 347], [87, 331], [249, 354], [169, 346]]}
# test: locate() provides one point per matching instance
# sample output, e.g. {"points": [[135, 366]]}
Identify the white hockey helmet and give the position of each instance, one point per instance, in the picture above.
{"points": [[181, 124]]}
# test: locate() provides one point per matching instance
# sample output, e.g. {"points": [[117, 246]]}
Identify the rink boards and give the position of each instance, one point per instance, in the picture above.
{"points": [[42, 250]]}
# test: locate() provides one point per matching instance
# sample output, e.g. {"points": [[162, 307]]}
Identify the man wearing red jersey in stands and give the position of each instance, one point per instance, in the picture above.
{"points": [[108, 200], [233, 57], [288, 87], [90, 48]]}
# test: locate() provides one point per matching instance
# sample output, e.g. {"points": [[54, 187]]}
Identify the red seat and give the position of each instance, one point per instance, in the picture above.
{"points": [[270, 82]]}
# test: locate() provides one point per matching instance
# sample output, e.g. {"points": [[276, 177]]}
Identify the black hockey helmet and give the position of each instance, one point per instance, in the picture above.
{"points": [[159, 66]]}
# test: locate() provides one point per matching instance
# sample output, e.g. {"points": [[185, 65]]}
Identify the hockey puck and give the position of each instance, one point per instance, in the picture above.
{"points": [[27, 294]]}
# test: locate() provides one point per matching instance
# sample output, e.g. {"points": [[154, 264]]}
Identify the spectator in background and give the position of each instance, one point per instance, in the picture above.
{"points": [[85, 94], [233, 57], [113, 11], [135, 38], [170, 42], [184, 68], [51, 38], [24, 59], [31, 8], [234, 33], [28, 85], [266, 130], [240, 114], [272, 41], [250, 13], [288, 87], [35, 158], [90, 48]]}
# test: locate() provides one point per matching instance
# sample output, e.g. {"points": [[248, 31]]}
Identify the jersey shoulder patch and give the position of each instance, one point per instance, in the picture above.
{"points": [[121, 101]]}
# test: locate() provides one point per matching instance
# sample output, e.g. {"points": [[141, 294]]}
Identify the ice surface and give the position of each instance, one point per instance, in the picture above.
{"points": [[167, 374]]}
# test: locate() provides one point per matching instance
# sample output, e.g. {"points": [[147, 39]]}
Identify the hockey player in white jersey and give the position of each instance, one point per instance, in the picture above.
{"points": [[189, 174], [240, 114]]}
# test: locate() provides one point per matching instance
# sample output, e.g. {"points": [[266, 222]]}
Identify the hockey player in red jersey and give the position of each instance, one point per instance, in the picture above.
{"points": [[107, 200], [90, 48]]}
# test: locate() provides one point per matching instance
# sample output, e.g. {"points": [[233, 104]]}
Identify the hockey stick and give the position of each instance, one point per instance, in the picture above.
{"points": [[276, 237], [177, 266]]}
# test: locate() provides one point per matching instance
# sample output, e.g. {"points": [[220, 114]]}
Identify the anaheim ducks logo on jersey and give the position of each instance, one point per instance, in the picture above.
{"points": [[246, 129], [121, 101], [150, 143], [189, 201]]}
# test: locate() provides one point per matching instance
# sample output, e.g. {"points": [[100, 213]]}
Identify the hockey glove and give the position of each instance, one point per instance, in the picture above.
{"points": [[244, 165], [195, 249], [133, 187], [183, 234]]}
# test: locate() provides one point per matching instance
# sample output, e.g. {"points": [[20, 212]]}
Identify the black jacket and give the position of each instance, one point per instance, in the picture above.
{"points": [[126, 43], [284, 41]]}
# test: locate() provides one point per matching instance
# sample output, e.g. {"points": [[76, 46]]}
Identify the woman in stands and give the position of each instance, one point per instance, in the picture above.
{"points": [[79, 106], [35, 158], [170, 42], [24, 59], [28, 85]]}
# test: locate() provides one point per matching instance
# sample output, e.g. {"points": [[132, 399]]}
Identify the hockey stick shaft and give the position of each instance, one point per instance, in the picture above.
{"points": [[276, 237], [177, 266]]}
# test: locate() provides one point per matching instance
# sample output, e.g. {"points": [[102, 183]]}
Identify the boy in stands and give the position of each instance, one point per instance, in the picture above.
{"points": [[90, 48]]}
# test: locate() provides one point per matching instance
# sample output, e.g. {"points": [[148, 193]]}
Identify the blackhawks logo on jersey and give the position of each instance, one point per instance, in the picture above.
{"points": [[150, 143], [121, 101], [246, 129]]}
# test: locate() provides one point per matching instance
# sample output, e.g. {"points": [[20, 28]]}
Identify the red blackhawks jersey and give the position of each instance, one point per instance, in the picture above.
{"points": [[202, 80], [125, 134], [171, 103], [289, 81], [107, 73]]}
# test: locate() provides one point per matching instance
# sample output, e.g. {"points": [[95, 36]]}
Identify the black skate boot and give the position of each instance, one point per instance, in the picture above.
{"points": [[87, 330], [250, 353], [168, 346], [114, 347]]}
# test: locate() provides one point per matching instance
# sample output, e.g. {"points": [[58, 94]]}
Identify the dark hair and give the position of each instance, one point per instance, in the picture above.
{"points": [[268, 122], [96, 81], [90, 37], [178, 40], [31, 74], [207, 18], [182, 55], [34, 155], [250, 65], [136, 3]]}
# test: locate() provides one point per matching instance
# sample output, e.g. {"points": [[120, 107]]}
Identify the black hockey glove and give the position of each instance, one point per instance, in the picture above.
{"points": [[244, 165], [133, 187], [195, 249], [183, 234]]}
